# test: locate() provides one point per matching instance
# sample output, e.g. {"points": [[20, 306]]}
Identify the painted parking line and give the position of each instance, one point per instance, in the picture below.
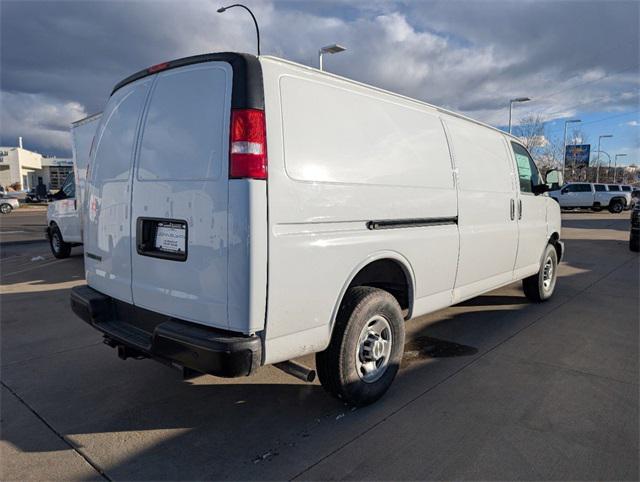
{"points": [[33, 267]]}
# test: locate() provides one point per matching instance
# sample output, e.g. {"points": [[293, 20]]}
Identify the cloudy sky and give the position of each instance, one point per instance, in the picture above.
{"points": [[59, 59]]}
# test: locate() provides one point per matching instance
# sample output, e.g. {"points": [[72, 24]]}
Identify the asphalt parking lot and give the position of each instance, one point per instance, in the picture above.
{"points": [[494, 388]]}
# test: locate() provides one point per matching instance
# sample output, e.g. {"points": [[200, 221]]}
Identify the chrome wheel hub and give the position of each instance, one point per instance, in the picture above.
{"points": [[55, 239], [547, 274], [374, 349]]}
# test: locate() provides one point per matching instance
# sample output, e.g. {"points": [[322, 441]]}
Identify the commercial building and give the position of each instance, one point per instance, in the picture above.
{"points": [[24, 169]]}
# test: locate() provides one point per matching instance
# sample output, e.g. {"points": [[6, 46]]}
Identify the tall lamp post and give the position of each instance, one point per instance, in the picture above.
{"points": [[564, 150], [329, 49], [608, 156], [598, 164], [615, 166], [517, 99], [255, 22]]}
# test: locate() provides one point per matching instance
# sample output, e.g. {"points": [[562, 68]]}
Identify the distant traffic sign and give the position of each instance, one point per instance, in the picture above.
{"points": [[577, 155]]}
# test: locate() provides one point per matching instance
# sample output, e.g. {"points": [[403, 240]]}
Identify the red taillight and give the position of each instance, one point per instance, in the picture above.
{"points": [[158, 67], [248, 148]]}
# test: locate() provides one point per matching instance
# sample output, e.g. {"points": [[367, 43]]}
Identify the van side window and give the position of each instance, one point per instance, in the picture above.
{"points": [[613, 187], [600, 187], [626, 188], [527, 169], [115, 147], [184, 133], [69, 186]]}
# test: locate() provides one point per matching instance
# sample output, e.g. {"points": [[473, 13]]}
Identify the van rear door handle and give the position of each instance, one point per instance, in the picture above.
{"points": [[519, 208], [513, 209]]}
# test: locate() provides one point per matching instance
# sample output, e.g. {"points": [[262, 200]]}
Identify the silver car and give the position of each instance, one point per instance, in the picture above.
{"points": [[8, 204]]}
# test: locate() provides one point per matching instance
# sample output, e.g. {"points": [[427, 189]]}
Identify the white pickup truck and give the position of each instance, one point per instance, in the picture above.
{"points": [[592, 196]]}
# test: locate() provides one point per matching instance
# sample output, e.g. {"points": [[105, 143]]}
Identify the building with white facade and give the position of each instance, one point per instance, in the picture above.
{"points": [[26, 169]]}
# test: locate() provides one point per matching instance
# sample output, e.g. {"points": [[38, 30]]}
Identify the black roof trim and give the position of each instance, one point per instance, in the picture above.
{"points": [[247, 93]]}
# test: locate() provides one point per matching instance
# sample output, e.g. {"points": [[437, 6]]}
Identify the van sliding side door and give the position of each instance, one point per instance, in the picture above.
{"points": [[486, 208]]}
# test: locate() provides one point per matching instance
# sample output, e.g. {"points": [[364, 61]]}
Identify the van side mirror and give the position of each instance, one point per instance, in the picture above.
{"points": [[540, 188], [554, 179]]}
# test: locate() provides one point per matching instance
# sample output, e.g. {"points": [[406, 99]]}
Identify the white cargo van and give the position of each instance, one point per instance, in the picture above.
{"points": [[64, 213], [244, 211]]}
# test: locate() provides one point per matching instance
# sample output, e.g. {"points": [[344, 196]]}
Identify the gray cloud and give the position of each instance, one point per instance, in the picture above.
{"points": [[64, 57]]}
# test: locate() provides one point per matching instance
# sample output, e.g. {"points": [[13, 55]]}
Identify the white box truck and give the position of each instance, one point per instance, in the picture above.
{"points": [[244, 211], [64, 213]]}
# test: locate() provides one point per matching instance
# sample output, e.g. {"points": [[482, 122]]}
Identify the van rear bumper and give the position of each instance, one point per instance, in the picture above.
{"points": [[137, 332]]}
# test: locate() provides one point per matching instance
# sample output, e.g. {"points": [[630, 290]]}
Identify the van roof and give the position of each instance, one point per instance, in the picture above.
{"points": [[355, 82], [247, 90]]}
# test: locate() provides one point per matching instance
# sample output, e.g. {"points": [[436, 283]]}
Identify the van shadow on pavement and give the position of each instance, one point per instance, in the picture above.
{"points": [[137, 420]]}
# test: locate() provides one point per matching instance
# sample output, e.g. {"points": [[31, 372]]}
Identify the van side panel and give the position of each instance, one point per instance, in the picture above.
{"points": [[486, 195], [82, 135], [342, 156]]}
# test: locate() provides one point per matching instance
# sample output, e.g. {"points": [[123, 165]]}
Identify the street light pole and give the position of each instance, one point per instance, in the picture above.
{"points": [[329, 49], [616, 165], [255, 22], [608, 157], [517, 99], [564, 150], [598, 162]]}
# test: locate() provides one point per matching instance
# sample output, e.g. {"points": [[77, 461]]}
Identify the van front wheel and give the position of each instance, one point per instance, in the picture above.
{"points": [[540, 286], [366, 348], [59, 248]]}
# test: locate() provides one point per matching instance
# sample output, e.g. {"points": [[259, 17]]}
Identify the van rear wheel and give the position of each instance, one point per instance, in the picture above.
{"points": [[540, 286], [366, 348], [59, 248]]}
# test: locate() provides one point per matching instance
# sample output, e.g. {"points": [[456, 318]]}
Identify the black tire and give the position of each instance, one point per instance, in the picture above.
{"points": [[616, 206], [59, 248], [535, 287], [341, 366], [6, 208], [634, 241], [597, 208]]}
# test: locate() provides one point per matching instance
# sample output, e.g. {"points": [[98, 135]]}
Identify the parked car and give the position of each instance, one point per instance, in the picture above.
{"points": [[64, 220], [244, 211], [591, 196], [8, 204], [634, 236]]}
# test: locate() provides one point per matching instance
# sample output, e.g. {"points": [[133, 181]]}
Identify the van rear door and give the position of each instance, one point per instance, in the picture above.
{"points": [[107, 235], [180, 195]]}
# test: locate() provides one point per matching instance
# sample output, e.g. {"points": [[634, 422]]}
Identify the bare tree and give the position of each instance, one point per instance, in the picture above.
{"points": [[530, 130], [577, 136], [550, 156]]}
